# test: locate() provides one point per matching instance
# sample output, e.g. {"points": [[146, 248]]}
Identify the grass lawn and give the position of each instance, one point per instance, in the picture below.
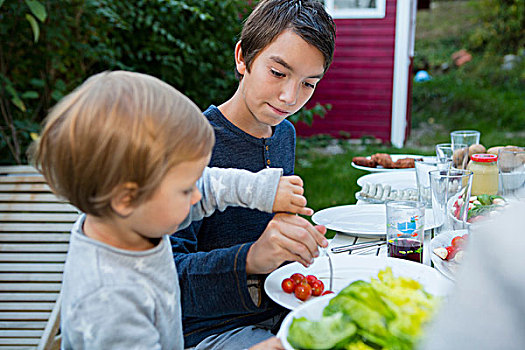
{"points": [[479, 95]]}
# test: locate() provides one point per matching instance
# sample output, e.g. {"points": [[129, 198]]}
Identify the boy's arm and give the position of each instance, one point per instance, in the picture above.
{"points": [[200, 271], [221, 188]]}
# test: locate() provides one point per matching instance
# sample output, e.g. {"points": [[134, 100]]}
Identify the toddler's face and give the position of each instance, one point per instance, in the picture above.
{"points": [[171, 202]]}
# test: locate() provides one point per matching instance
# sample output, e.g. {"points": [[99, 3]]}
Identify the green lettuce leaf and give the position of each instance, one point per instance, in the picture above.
{"points": [[330, 332], [386, 313]]}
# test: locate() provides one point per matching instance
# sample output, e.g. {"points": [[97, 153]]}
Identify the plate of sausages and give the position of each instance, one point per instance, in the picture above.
{"points": [[384, 162]]}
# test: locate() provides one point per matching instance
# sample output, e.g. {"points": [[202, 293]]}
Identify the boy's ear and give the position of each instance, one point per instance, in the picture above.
{"points": [[121, 203], [239, 59]]}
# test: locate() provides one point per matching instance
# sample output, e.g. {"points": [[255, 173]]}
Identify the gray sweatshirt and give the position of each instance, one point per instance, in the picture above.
{"points": [[119, 299]]}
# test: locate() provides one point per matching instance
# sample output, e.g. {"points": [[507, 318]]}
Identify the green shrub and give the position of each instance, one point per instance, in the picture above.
{"points": [[189, 44], [503, 26]]}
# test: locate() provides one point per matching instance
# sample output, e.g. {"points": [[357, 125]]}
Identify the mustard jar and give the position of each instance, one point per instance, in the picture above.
{"points": [[485, 177]]}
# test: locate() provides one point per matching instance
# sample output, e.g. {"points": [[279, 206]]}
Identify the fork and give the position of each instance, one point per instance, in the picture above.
{"points": [[325, 250]]}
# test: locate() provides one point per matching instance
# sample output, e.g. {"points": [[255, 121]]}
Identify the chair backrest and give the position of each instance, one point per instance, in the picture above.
{"points": [[34, 237]]}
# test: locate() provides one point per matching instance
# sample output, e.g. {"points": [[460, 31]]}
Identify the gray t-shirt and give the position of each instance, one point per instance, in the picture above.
{"points": [[120, 299]]}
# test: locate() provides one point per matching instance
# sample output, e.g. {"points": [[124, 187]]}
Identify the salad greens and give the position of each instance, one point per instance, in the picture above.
{"points": [[388, 312], [486, 204]]}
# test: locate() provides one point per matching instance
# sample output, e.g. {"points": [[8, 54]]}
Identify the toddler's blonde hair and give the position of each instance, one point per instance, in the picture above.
{"points": [[118, 127]]}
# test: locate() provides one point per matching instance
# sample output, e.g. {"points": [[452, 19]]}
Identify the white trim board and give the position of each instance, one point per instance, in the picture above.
{"points": [[405, 24]]}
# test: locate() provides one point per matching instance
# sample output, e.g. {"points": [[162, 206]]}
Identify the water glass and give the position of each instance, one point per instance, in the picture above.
{"points": [[511, 165], [405, 226], [450, 198], [457, 153], [466, 137], [423, 167]]}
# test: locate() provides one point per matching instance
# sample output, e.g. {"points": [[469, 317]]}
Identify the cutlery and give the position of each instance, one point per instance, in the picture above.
{"points": [[325, 250], [365, 250], [350, 247]]}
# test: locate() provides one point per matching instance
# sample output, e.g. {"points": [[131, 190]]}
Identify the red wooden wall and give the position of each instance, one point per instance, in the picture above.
{"points": [[359, 82]]}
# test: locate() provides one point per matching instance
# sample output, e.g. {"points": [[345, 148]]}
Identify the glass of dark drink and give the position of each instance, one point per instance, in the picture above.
{"points": [[405, 226]]}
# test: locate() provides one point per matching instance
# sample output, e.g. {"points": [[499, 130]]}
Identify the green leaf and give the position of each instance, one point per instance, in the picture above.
{"points": [[57, 95], [37, 9], [34, 25], [1, 2], [30, 94], [18, 103], [37, 82], [14, 96], [323, 334]]}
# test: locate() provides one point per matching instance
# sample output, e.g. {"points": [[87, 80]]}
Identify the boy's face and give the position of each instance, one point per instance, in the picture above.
{"points": [[282, 78], [171, 202]]}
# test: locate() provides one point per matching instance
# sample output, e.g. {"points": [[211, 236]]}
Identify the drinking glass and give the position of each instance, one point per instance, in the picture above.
{"points": [[457, 153], [423, 167], [450, 198], [466, 137], [511, 165], [405, 224]]}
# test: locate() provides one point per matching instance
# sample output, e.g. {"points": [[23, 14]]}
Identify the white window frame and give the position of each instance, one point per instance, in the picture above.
{"points": [[377, 12]]}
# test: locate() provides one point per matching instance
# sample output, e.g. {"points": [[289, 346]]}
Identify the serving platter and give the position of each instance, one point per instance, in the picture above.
{"points": [[398, 181], [395, 157]]}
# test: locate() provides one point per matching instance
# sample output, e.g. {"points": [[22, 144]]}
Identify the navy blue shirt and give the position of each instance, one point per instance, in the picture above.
{"points": [[211, 254]]}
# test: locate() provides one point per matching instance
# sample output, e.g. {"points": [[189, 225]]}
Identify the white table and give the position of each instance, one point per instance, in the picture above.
{"points": [[344, 239]]}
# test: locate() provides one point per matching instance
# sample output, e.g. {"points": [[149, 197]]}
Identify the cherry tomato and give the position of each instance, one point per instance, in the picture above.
{"points": [[451, 252], [457, 212], [327, 292], [311, 279], [303, 291], [288, 285], [458, 242], [317, 288], [297, 278]]}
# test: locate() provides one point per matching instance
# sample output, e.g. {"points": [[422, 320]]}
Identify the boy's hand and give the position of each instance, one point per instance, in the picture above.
{"points": [[271, 344], [287, 237], [289, 197]]}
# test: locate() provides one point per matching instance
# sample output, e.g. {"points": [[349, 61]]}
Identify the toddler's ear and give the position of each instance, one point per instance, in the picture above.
{"points": [[122, 201], [239, 59]]}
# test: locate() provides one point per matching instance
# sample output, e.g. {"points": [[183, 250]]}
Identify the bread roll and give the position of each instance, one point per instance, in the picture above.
{"points": [[494, 150], [475, 149]]}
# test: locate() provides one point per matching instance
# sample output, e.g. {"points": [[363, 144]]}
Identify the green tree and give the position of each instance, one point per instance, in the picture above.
{"points": [[503, 25], [189, 44]]}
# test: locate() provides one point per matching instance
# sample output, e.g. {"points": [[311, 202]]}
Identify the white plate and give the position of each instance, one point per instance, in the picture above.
{"points": [[361, 220], [397, 181], [395, 157], [349, 268], [447, 268]]}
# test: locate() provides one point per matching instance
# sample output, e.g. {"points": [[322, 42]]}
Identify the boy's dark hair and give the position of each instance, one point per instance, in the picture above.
{"points": [[306, 18]]}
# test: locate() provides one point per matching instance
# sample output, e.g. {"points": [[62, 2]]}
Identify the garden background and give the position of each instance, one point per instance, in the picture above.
{"points": [[49, 47]]}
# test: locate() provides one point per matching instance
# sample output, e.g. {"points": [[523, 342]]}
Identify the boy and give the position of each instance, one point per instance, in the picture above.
{"points": [[127, 150], [284, 50]]}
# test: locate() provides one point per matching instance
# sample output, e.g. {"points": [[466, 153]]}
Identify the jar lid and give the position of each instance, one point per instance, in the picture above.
{"points": [[484, 158]]}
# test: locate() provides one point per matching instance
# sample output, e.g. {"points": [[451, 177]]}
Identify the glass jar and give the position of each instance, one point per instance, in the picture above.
{"points": [[485, 177]]}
